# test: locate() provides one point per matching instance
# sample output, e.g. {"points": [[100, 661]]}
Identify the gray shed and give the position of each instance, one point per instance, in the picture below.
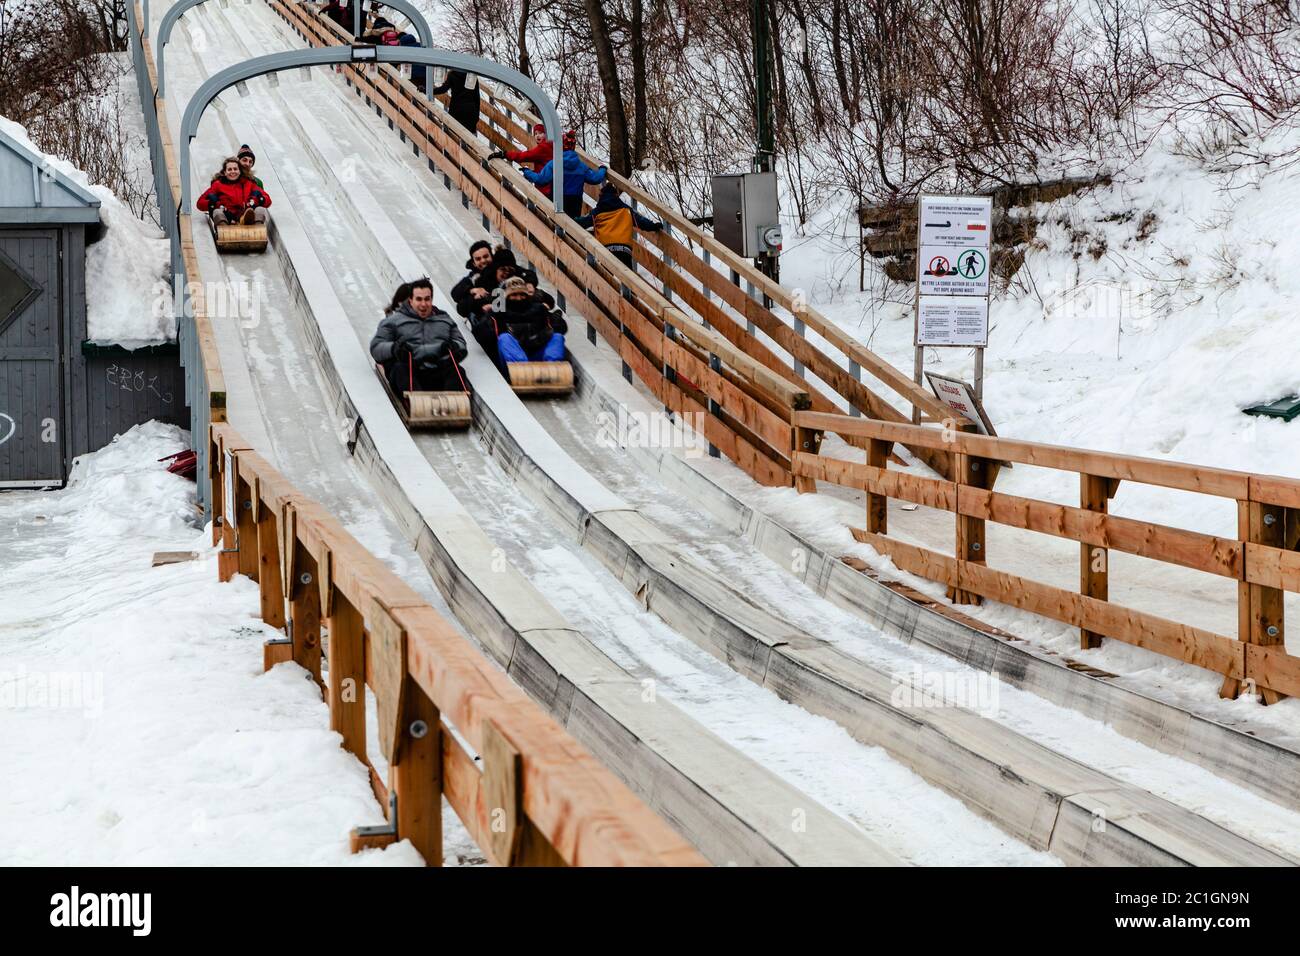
{"points": [[58, 397]]}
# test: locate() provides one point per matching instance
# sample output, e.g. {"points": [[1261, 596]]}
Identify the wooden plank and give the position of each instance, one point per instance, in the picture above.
{"points": [[1151, 471], [1275, 490], [347, 679], [503, 785], [1272, 567], [565, 784], [417, 775], [971, 471], [749, 412], [304, 614], [276, 652], [270, 587], [931, 492], [385, 663], [878, 504], [1181, 641], [1189, 549], [1273, 669], [1094, 575], [161, 558]]}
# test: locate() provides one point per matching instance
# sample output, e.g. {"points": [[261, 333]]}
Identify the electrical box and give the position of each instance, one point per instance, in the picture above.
{"points": [[745, 218]]}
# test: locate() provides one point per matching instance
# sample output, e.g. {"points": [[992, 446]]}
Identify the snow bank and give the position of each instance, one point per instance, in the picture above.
{"points": [[128, 302], [136, 725]]}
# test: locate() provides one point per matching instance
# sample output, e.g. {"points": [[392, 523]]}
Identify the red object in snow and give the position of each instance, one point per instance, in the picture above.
{"points": [[183, 463]]}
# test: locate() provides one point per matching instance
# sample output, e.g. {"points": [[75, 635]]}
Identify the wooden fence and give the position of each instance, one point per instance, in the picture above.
{"points": [[534, 797], [693, 343], [530, 795], [1262, 558], [696, 355]]}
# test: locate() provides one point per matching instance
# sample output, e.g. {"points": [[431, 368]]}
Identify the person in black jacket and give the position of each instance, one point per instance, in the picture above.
{"points": [[480, 257], [417, 344], [478, 295], [464, 106], [529, 332]]}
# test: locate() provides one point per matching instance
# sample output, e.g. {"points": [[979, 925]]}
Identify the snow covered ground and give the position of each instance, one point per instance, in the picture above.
{"points": [[136, 725]]}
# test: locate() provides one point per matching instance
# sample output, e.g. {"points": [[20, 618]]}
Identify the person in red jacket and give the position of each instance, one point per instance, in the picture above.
{"points": [[539, 155], [233, 197]]}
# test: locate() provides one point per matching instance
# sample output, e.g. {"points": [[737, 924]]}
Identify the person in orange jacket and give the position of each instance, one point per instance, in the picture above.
{"points": [[611, 221], [233, 197]]}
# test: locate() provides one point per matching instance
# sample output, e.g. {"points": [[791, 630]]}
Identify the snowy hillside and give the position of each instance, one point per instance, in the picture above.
{"points": [[1146, 315]]}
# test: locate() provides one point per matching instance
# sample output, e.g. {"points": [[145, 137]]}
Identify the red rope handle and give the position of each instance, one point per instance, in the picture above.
{"points": [[456, 366], [410, 368]]}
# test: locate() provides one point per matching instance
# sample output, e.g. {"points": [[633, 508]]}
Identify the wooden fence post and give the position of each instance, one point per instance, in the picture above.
{"points": [[347, 675], [1260, 610], [1094, 562], [269, 582], [246, 536], [978, 473], [808, 440], [304, 612], [878, 504], [417, 775]]}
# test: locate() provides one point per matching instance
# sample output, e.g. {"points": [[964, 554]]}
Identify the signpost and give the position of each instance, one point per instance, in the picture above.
{"points": [[953, 239]]}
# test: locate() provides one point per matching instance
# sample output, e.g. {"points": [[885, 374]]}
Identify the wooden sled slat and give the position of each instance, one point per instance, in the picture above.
{"points": [[438, 410], [445, 410], [231, 238], [541, 378]]}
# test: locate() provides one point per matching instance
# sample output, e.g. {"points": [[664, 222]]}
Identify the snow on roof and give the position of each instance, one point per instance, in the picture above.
{"points": [[128, 299], [37, 187]]}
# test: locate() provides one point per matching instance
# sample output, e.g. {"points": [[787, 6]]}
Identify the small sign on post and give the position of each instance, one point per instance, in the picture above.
{"points": [[953, 240], [960, 397]]}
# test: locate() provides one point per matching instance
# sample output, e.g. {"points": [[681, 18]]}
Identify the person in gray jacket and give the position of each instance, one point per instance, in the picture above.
{"points": [[419, 345]]}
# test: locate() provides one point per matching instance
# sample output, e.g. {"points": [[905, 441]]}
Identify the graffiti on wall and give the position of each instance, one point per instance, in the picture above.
{"points": [[121, 377]]}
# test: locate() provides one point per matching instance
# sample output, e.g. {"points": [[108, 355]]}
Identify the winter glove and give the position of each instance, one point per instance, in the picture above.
{"points": [[653, 227], [401, 349], [497, 155], [557, 322], [257, 198]]}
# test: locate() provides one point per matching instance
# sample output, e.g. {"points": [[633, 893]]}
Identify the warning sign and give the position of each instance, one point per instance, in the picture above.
{"points": [[954, 233], [960, 397], [952, 320], [954, 271]]}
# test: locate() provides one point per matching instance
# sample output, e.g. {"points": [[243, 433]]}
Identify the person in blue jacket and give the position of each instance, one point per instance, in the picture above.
{"points": [[576, 175]]}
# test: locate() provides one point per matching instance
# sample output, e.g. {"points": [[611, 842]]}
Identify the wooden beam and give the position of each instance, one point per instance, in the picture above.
{"points": [[270, 587], [417, 775], [1094, 574], [347, 678], [1180, 641], [1151, 471], [878, 504]]}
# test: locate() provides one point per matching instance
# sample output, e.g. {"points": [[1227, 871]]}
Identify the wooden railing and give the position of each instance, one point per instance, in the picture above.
{"points": [[532, 795], [671, 257], [535, 797], [1262, 558], [698, 356], [702, 363]]}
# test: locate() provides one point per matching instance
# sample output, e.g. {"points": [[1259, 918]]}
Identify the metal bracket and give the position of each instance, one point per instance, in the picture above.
{"points": [[384, 829]]}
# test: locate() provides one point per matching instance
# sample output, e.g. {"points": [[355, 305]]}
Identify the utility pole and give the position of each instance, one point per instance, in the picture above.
{"points": [[765, 153]]}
